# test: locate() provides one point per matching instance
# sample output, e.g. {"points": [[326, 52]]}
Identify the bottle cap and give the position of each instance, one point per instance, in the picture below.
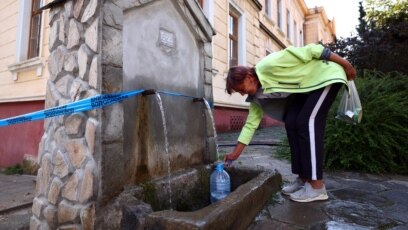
{"points": [[219, 166]]}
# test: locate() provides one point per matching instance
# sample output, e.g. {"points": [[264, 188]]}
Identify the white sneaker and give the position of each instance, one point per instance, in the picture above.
{"points": [[309, 194], [293, 186]]}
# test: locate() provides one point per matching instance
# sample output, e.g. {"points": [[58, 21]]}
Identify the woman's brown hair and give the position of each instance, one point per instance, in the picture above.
{"points": [[236, 76]]}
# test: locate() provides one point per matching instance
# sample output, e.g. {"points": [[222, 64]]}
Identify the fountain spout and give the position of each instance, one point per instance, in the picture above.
{"points": [[149, 92], [198, 99]]}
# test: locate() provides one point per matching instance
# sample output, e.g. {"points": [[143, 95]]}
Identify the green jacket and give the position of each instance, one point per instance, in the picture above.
{"points": [[292, 70]]}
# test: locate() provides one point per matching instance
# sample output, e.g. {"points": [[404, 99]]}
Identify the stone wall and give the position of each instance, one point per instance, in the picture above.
{"points": [[67, 182], [82, 162]]}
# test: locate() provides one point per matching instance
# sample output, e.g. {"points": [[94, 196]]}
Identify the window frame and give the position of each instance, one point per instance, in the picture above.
{"points": [[279, 14], [295, 33], [269, 8], [201, 3], [33, 52], [240, 13], [208, 8], [288, 23], [234, 38], [22, 62]]}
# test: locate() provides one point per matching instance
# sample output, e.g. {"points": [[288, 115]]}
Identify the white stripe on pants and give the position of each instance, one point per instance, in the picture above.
{"points": [[312, 130]]}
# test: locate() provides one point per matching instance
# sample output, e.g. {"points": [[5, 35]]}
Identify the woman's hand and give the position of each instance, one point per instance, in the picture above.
{"points": [[228, 158]]}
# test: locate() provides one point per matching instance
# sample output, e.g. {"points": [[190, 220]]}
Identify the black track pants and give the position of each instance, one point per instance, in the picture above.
{"points": [[305, 122]]}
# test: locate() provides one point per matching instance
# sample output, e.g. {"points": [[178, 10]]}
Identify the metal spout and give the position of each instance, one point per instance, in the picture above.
{"points": [[198, 99], [149, 92]]}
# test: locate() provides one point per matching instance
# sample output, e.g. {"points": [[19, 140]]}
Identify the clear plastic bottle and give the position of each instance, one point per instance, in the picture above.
{"points": [[220, 185]]}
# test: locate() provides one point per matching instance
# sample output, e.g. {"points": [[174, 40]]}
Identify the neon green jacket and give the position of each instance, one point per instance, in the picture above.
{"points": [[292, 70]]}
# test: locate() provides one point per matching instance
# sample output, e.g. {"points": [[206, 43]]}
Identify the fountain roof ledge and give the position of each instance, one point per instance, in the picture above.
{"points": [[190, 8], [201, 19]]}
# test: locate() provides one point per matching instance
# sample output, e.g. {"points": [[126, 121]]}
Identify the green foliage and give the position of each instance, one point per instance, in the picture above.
{"points": [[283, 150], [362, 26], [150, 196], [380, 13], [382, 37], [379, 143], [17, 169]]}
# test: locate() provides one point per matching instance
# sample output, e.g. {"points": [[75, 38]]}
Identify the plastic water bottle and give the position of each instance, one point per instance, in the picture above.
{"points": [[220, 185]]}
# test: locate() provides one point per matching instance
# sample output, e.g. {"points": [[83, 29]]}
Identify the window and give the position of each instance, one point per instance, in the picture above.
{"points": [[268, 8], [35, 29], [28, 39], [201, 3], [208, 8], [233, 39], [280, 14], [301, 38], [288, 29], [295, 31], [236, 35]]}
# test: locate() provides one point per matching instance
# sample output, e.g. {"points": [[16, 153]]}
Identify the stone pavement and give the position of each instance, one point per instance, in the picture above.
{"points": [[16, 198], [356, 200]]}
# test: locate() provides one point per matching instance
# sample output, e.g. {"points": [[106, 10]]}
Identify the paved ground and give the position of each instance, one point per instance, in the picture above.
{"points": [[16, 196], [356, 201]]}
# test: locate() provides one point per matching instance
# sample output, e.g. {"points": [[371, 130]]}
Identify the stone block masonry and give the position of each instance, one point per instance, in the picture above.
{"points": [[83, 166], [67, 179]]}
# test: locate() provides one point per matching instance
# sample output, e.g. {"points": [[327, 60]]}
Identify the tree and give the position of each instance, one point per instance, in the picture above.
{"points": [[382, 37], [362, 26]]}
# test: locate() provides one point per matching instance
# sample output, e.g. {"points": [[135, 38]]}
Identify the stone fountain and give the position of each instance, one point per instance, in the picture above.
{"points": [[114, 167]]}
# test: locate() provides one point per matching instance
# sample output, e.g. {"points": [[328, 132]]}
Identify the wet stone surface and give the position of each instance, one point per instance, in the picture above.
{"points": [[357, 201], [357, 213], [357, 196]]}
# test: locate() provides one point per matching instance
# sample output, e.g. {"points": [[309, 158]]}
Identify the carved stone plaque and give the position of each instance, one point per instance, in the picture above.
{"points": [[167, 41]]}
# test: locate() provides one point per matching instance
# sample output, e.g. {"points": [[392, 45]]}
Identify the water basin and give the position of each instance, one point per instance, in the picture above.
{"points": [[188, 206]]}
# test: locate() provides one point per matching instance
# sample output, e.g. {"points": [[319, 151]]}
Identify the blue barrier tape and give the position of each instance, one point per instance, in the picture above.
{"points": [[94, 102], [86, 104]]}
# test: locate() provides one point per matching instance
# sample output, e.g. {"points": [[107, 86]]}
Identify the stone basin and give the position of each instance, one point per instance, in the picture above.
{"points": [[190, 201]]}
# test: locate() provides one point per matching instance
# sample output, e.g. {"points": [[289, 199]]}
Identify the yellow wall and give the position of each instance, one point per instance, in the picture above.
{"points": [[258, 41], [28, 86], [318, 27]]}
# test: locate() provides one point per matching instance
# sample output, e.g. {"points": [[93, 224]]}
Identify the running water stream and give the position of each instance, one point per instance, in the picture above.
{"points": [[166, 144], [207, 105]]}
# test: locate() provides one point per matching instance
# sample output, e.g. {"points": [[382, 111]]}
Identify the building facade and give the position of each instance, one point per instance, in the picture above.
{"points": [[247, 31], [24, 52]]}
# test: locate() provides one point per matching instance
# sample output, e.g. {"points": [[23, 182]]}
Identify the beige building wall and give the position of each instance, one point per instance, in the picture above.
{"points": [[250, 45], [260, 34], [318, 27], [21, 79]]}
